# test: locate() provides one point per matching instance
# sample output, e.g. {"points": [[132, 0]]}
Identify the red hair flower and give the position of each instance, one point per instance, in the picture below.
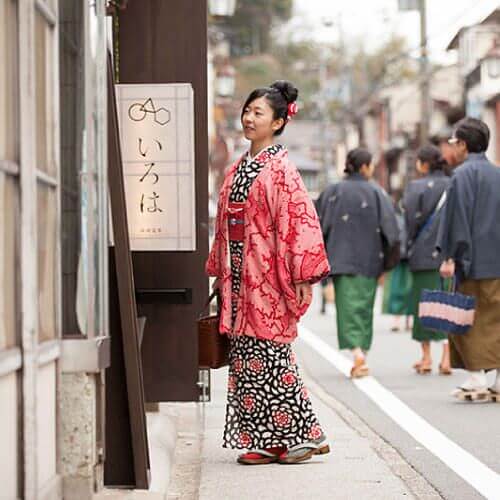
{"points": [[292, 110]]}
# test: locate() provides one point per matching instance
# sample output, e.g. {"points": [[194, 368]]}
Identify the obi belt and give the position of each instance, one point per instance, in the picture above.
{"points": [[236, 221]]}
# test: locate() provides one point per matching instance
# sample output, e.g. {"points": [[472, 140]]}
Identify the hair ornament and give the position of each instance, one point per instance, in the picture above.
{"points": [[292, 110]]}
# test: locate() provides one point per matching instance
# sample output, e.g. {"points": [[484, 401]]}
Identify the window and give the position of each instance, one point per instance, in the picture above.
{"points": [[46, 178], [494, 67], [9, 175], [47, 266], [82, 59]]}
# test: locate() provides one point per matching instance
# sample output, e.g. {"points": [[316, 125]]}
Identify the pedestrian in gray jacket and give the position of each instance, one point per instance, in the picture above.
{"points": [[421, 202], [361, 234]]}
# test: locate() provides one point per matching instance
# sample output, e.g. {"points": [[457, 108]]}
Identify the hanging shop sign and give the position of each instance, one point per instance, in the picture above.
{"points": [[157, 141]]}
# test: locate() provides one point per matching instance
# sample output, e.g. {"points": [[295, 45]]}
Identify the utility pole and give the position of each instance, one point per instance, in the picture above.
{"points": [[324, 121], [323, 106], [425, 100]]}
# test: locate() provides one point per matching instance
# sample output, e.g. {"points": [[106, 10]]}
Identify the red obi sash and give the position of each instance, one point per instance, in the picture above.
{"points": [[236, 221]]}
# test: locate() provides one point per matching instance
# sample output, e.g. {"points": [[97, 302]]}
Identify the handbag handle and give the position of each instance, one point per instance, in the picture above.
{"points": [[211, 297], [452, 288]]}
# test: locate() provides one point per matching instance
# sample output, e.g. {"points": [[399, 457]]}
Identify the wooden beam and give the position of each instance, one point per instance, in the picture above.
{"points": [[126, 294]]}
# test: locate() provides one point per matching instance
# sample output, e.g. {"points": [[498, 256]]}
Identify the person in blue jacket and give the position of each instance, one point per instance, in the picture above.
{"points": [[469, 242]]}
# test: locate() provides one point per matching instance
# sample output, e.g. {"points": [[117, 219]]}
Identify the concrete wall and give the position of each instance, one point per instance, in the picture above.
{"points": [[78, 435]]}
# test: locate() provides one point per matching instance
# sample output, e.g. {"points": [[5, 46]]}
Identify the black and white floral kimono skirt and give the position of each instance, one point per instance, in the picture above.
{"points": [[268, 404]]}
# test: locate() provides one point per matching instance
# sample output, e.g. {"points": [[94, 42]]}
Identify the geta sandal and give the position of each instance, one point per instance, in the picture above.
{"points": [[471, 394], [261, 457], [444, 370], [424, 369], [304, 451], [360, 369], [494, 395]]}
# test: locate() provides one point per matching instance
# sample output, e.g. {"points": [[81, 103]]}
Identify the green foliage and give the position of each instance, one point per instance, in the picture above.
{"points": [[294, 61], [352, 77], [250, 27]]}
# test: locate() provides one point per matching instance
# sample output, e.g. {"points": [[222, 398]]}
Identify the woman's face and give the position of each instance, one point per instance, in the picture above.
{"points": [[258, 121]]}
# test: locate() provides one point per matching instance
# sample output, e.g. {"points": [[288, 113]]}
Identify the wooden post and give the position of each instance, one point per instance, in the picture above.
{"points": [[166, 42]]}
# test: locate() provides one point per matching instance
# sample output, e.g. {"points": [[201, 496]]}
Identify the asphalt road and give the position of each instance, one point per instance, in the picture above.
{"points": [[474, 427]]}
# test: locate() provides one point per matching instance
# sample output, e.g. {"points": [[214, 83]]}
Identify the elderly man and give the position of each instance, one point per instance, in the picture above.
{"points": [[469, 239]]}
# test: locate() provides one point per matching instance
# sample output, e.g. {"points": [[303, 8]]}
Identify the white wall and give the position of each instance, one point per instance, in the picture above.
{"points": [[8, 437], [46, 424], [474, 43], [488, 117], [490, 77]]}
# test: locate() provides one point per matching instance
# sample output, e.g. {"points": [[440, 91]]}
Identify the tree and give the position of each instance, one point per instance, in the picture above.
{"points": [[389, 64], [250, 27]]}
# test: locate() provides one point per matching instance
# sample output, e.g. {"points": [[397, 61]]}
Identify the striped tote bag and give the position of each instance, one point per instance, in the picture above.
{"points": [[446, 311]]}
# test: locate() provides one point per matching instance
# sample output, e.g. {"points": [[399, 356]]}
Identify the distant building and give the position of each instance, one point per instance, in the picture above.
{"points": [[390, 127], [309, 145], [479, 65]]}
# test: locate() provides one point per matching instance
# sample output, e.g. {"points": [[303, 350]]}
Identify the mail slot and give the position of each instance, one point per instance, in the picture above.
{"points": [[164, 295]]}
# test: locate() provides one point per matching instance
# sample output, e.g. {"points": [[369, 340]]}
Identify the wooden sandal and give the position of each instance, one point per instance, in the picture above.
{"points": [[261, 457], [424, 370], [421, 368], [360, 369], [304, 451], [494, 395], [471, 394], [444, 371]]}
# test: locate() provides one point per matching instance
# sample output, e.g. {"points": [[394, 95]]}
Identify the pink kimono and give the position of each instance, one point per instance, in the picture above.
{"points": [[283, 245]]}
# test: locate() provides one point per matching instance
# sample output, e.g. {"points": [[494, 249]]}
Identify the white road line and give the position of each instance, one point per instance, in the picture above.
{"points": [[485, 480]]}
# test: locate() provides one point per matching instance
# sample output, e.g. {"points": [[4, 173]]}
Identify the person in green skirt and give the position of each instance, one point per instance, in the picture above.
{"points": [[362, 238], [422, 202], [398, 282]]}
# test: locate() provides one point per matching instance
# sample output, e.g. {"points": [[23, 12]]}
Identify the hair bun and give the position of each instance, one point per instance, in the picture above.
{"points": [[287, 90]]}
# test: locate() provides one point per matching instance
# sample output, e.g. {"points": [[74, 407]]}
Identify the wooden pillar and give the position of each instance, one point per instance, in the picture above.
{"points": [[165, 41]]}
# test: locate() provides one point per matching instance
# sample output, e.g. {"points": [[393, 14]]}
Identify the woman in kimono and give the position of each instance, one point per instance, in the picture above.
{"points": [[267, 252], [421, 203], [397, 283], [469, 241], [361, 233]]}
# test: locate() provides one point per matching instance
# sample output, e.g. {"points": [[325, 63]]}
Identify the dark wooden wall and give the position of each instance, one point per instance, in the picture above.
{"points": [[165, 41]]}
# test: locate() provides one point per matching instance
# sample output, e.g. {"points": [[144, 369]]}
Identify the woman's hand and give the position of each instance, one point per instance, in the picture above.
{"points": [[447, 269], [303, 293]]}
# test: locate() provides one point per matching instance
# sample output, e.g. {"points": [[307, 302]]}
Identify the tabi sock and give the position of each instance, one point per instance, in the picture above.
{"points": [[496, 385], [476, 380]]}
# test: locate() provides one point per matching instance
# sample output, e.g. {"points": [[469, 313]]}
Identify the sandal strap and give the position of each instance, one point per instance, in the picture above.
{"points": [[264, 453], [308, 445]]}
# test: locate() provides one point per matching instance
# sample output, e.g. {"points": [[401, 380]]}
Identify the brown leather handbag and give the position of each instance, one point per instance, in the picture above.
{"points": [[213, 348]]}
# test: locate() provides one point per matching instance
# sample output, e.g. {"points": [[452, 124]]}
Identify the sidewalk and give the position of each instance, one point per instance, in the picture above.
{"points": [[360, 466]]}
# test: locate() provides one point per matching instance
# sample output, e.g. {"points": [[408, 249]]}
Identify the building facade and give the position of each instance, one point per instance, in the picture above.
{"points": [[478, 48], [53, 246]]}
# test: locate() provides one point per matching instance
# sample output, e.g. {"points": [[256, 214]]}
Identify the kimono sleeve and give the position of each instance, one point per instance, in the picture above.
{"points": [[454, 239], [324, 209], [299, 237], [213, 263], [389, 231], [412, 203]]}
